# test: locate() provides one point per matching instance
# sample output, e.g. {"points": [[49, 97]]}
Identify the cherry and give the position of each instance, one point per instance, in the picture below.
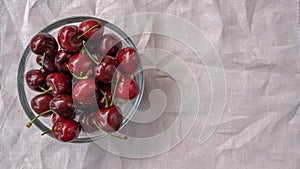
{"points": [[128, 60], [40, 104], [104, 95], [109, 119], [61, 59], [127, 88], [68, 38], [86, 122], [46, 63], [63, 106], [106, 69], [56, 118], [85, 92], [35, 80], [58, 83], [110, 44], [89, 27], [66, 130], [44, 43], [81, 65]]}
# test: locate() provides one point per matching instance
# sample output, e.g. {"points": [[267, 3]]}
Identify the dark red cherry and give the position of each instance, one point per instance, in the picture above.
{"points": [[40, 104], [104, 93], [128, 60], [35, 80], [106, 69], [127, 88], [80, 65], [85, 92], [48, 65], [55, 118], [66, 131], [59, 83], [68, 38], [44, 43], [109, 119], [86, 121], [63, 106], [110, 44], [89, 28], [61, 60]]}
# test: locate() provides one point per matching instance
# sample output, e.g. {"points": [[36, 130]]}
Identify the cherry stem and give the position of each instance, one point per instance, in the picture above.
{"points": [[50, 131], [42, 88], [43, 60], [36, 117], [45, 91], [78, 77], [106, 101], [111, 134], [114, 94], [91, 28], [88, 53]]}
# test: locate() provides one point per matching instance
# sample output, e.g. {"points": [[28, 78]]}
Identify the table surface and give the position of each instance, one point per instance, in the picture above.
{"points": [[257, 43]]}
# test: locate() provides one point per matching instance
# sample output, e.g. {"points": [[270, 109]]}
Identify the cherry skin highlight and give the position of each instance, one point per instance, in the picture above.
{"points": [[63, 106], [68, 38], [36, 80], [127, 88], [128, 60], [110, 44], [109, 119], [44, 43], [40, 104], [66, 131]]}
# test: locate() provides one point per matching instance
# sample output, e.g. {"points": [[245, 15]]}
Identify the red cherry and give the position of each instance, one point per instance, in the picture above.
{"points": [[110, 44], [61, 60], [63, 106], [104, 93], [128, 60], [106, 69], [127, 88], [90, 27], [55, 118], [35, 80], [59, 83], [48, 66], [109, 119], [44, 43], [40, 104], [66, 131], [80, 65], [68, 38], [85, 92]]}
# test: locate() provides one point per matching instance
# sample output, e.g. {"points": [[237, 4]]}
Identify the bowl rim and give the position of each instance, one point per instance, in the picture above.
{"points": [[21, 73]]}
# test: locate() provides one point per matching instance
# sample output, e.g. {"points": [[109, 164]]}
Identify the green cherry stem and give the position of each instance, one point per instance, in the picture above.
{"points": [[78, 77], [36, 117], [51, 131], [114, 94], [88, 53], [106, 101], [111, 134], [43, 60], [91, 28], [45, 91], [42, 88]]}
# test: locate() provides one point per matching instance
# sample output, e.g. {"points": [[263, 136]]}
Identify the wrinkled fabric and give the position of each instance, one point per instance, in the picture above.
{"points": [[257, 41]]}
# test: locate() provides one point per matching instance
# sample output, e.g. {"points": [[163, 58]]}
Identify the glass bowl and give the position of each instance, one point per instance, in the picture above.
{"points": [[28, 62]]}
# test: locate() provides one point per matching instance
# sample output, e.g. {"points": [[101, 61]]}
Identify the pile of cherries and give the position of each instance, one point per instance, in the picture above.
{"points": [[80, 79]]}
